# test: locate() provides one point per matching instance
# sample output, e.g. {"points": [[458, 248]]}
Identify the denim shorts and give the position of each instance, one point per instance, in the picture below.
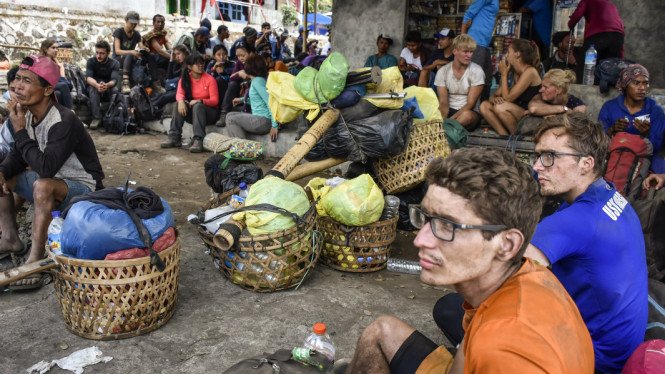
{"points": [[25, 181]]}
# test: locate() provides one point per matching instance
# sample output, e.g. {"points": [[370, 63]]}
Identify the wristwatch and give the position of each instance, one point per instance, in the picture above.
{"points": [[565, 109]]}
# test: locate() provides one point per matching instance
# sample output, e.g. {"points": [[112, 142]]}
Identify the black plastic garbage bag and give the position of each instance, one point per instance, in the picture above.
{"points": [[223, 175], [381, 136], [406, 198]]}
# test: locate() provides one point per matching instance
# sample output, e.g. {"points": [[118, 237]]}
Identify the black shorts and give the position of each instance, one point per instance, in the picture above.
{"points": [[412, 353]]}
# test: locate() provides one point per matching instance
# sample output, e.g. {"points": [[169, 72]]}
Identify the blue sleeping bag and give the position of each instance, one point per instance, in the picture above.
{"points": [[91, 231]]}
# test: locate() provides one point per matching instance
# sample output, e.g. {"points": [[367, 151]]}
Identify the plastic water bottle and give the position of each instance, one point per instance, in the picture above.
{"points": [[319, 341], [390, 207], [54, 230], [397, 265], [590, 60], [243, 190]]}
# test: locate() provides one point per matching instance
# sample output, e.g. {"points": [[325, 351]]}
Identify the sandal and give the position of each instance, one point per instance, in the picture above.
{"points": [[10, 260], [36, 281]]}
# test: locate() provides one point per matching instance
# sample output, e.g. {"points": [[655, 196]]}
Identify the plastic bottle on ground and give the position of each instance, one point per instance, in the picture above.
{"points": [[590, 60], [209, 214], [243, 190], [54, 230], [318, 340], [399, 265]]}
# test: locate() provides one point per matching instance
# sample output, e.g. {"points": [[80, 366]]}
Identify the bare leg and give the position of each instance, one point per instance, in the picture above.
{"points": [[47, 193], [509, 114], [378, 344], [487, 111], [468, 118], [9, 240]]}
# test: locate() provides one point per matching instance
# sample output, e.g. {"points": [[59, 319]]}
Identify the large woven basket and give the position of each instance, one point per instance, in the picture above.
{"points": [[357, 249], [108, 300], [407, 170], [269, 262]]}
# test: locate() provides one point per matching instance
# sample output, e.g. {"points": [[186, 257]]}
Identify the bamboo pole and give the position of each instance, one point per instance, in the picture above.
{"points": [[304, 144], [18, 273], [309, 168], [228, 234]]}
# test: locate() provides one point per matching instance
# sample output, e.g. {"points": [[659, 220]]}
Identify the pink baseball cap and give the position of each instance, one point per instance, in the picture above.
{"points": [[43, 67]]}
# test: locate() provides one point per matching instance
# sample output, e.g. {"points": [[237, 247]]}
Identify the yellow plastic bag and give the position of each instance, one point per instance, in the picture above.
{"points": [[284, 101], [356, 202], [319, 189], [428, 103], [391, 81], [278, 192]]}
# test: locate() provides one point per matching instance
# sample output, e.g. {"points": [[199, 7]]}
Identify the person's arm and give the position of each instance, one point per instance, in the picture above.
{"points": [[535, 254], [537, 107], [62, 139], [577, 14], [115, 74], [605, 117], [519, 87], [90, 72], [458, 362], [154, 44], [443, 101], [213, 93], [472, 97]]}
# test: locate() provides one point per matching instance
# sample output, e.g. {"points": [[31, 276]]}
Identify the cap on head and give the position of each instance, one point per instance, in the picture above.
{"points": [[43, 67], [445, 33], [203, 31], [132, 17]]}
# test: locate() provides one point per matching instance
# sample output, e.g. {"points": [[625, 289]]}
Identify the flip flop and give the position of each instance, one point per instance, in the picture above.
{"points": [[37, 281]]}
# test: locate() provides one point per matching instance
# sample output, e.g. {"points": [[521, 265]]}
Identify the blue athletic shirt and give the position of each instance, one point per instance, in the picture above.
{"points": [[483, 15], [596, 249]]}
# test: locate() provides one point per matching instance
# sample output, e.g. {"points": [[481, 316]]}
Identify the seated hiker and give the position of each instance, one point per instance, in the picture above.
{"points": [[281, 50], [125, 40], [220, 68], [460, 83], [49, 48], [247, 42], [553, 98], [441, 56], [158, 45], [265, 36], [260, 121], [382, 58], [632, 111], [173, 72], [594, 241], [102, 75], [223, 37], [53, 159], [564, 55], [6, 128], [197, 98], [503, 110], [271, 64], [517, 316], [238, 76], [412, 57], [198, 41]]}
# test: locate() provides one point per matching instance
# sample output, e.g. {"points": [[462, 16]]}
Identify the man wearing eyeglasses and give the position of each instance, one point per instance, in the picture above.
{"points": [[594, 241], [475, 223]]}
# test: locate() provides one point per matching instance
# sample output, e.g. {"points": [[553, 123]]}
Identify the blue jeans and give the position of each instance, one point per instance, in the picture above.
{"points": [[25, 181]]}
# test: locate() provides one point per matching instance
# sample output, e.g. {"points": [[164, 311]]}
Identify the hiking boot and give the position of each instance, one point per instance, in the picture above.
{"points": [[125, 86], [197, 146], [95, 123], [221, 122], [172, 142]]}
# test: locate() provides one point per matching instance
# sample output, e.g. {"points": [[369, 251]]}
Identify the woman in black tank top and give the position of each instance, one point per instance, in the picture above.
{"points": [[508, 104]]}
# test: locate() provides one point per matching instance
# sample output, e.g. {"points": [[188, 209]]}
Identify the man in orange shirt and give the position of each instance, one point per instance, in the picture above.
{"points": [[475, 223]]}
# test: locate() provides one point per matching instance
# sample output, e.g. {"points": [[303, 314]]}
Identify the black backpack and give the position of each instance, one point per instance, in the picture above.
{"points": [[79, 88], [144, 109], [116, 119], [607, 72], [141, 73]]}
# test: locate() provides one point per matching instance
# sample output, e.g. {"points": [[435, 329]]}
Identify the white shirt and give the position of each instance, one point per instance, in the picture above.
{"points": [[408, 57], [458, 89]]}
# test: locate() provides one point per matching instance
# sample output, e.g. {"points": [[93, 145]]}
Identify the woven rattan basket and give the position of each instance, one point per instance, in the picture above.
{"points": [[357, 249], [407, 170], [269, 262], [108, 300]]}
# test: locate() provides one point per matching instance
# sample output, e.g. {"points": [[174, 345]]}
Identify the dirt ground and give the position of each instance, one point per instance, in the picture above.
{"points": [[216, 323]]}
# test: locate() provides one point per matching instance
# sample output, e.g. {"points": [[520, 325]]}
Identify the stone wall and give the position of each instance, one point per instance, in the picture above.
{"points": [[356, 25]]}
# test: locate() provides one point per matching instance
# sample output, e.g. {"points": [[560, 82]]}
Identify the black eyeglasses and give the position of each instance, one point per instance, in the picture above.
{"points": [[547, 158], [442, 228]]}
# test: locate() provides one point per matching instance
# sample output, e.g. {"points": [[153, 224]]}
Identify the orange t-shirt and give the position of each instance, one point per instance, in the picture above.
{"points": [[529, 325]]}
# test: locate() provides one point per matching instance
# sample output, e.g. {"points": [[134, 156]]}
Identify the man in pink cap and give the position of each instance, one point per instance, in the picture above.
{"points": [[53, 160]]}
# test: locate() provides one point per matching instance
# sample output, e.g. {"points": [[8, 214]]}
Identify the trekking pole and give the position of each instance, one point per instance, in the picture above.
{"points": [[570, 45]]}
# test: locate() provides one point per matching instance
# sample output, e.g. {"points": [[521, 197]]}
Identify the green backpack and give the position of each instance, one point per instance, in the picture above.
{"points": [[456, 134]]}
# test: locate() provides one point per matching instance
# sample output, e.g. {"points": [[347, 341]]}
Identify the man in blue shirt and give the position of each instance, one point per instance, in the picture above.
{"points": [[382, 58], [632, 111], [594, 241], [479, 22]]}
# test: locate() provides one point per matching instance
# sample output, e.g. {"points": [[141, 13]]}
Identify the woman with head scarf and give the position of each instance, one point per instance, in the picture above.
{"points": [[633, 112]]}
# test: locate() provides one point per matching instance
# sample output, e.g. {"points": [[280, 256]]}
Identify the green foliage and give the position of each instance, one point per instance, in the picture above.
{"points": [[322, 5], [289, 15]]}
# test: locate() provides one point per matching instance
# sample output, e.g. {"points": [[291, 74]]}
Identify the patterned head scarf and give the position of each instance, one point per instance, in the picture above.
{"points": [[629, 73]]}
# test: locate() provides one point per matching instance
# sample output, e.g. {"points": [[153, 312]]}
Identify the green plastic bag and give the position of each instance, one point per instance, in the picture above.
{"points": [[280, 193], [332, 75], [356, 202], [456, 134], [305, 84]]}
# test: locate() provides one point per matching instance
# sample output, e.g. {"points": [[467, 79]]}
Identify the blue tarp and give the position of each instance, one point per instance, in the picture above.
{"points": [[322, 22]]}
